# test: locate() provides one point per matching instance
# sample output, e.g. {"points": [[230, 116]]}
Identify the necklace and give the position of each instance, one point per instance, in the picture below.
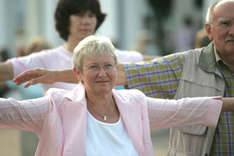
{"points": [[92, 107], [104, 117]]}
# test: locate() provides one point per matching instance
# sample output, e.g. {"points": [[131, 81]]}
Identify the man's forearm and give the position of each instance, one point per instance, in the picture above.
{"points": [[121, 80], [228, 104], [66, 75]]}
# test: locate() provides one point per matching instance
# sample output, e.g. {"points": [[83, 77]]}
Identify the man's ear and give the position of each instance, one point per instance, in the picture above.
{"points": [[208, 28]]}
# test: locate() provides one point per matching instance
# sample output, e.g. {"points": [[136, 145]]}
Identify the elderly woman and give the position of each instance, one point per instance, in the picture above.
{"points": [[95, 119]]}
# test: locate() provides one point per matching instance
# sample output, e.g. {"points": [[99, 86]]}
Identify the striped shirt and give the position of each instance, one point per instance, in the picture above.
{"points": [[223, 143], [157, 78]]}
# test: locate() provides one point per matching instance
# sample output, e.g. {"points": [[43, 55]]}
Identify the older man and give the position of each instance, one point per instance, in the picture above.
{"points": [[208, 71], [199, 72]]}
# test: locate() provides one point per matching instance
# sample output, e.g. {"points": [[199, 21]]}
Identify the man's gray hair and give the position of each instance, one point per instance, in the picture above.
{"points": [[210, 11]]}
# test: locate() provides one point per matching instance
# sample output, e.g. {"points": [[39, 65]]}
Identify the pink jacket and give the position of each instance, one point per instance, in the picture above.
{"points": [[65, 126]]}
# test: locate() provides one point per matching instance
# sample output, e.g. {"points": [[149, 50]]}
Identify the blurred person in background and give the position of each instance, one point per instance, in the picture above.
{"points": [[145, 44], [183, 38], [3, 86], [145, 40], [37, 44], [201, 39], [74, 20]]}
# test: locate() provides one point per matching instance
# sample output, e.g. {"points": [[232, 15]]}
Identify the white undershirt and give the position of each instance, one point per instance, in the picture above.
{"points": [[107, 139]]}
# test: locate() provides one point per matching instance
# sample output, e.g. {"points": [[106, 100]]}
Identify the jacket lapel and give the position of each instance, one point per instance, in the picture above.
{"points": [[74, 116], [130, 113]]}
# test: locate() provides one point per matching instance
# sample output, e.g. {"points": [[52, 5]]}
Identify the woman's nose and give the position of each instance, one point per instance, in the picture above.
{"points": [[101, 72], [85, 20]]}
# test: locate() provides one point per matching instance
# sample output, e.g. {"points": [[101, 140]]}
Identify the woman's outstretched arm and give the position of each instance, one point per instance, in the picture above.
{"points": [[187, 111]]}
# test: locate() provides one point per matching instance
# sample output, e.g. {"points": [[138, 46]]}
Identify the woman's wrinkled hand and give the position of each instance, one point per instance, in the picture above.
{"points": [[34, 76]]}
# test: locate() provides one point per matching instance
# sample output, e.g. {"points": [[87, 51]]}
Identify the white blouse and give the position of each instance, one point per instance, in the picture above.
{"points": [[110, 139]]}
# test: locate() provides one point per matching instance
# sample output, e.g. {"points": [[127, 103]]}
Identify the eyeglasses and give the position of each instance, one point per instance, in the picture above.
{"points": [[96, 68]]}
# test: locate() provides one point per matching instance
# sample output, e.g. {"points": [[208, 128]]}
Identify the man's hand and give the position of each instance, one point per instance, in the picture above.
{"points": [[35, 76]]}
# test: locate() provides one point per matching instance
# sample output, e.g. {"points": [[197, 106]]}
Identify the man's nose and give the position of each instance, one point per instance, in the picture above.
{"points": [[231, 30]]}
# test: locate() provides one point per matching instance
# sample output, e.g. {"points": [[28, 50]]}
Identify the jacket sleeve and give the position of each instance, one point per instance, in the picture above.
{"points": [[165, 113], [26, 115]]}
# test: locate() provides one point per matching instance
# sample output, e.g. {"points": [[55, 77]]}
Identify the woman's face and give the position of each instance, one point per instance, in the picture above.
{"points": [[99, 74], [82, 25]]}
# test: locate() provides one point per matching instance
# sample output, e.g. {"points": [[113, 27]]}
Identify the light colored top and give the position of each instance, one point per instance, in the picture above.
{"points": [[108, 139], [60, 58], [60, 118], [56, 58], [128, 56]]}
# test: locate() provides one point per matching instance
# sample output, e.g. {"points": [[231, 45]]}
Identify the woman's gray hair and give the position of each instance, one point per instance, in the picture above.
{"points": [[92, 46]]}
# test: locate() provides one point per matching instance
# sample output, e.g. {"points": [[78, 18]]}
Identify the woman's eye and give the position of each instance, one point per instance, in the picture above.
{"points": [[93, 67], [92, 15], [108, 65]]}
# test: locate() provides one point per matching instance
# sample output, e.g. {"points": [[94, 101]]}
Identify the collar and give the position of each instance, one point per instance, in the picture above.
{"points": [[217, 57], [207, 59], [76, 94]]}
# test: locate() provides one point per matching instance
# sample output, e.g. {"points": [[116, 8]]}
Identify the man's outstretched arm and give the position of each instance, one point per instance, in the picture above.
{"points": [[35, 76]]}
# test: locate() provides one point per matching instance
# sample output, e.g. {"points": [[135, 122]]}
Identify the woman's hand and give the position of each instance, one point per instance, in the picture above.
{"points": [[35, 76]]}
